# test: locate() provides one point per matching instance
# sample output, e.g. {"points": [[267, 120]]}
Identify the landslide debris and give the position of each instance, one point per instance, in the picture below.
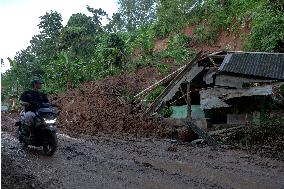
{"points": [[103, 107], [8, 121]]}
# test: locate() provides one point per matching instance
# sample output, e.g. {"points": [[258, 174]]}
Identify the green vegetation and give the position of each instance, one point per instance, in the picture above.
{"points": [[85, 49], [254, 134], [155, 93], [177, 48], [167, 112]]}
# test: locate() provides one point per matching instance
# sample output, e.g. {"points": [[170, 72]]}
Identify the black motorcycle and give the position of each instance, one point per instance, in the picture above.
{"points": [[44, 130]]}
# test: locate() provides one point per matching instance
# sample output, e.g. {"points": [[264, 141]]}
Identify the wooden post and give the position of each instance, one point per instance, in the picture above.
{"points": [[188, 101]]}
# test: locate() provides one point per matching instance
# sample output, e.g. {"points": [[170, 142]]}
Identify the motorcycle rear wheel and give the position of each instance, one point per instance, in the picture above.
{"points": [[22, 143]]}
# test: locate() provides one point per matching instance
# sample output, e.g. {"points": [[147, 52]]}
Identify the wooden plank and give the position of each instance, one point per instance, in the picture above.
{"points": [[162, 81], [221, 131], [237, 82], [188, 77], [201, 133], [188, 100], [217, 53], [192, 63], [218, 56]]}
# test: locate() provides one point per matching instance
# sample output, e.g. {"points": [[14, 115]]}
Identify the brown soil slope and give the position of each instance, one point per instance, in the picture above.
{"points": [[226, 40], [101, 107]]}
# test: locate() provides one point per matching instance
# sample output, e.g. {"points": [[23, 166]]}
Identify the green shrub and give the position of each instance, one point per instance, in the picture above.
{"points": [[139, 63], [129, 97], [177, 48], [161, 30], [204, 34], [167, 112], [163, 68], [253, 134]]}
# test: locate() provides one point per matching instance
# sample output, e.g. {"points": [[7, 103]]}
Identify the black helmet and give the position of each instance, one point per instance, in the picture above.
{"points": [[36, 81]]}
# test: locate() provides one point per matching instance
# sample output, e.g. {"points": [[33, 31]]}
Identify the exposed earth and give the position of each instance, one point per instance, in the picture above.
{"points": [[104, 107], [105, 162]]}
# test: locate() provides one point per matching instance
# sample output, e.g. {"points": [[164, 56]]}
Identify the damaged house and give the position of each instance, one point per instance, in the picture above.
{"points": [[221, 88]]}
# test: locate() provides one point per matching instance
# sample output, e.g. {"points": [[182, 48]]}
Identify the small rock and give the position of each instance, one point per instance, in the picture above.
{"points": [[198, 141], [172, 149], [185, 134]]}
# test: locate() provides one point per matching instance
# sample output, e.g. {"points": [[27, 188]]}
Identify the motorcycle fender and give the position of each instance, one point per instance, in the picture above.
{"points": [[50, 129]]}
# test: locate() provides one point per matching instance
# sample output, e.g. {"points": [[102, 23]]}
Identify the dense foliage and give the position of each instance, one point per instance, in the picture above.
{"points": [[270, 127], [85, 49]]}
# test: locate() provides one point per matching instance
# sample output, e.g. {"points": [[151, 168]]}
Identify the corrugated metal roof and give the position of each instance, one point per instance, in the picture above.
{"points": [[268, 65]]}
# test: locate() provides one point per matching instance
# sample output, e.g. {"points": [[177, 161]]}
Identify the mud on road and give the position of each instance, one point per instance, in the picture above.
{"points": [[101, 162]]}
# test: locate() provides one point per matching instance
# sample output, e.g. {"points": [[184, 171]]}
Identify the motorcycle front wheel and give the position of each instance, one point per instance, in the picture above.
{"points": [[51, 145]]}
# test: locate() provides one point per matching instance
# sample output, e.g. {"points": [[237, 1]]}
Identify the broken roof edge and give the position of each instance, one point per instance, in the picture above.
{"points": [[251, 52], [212, 102], [224, 52], [248, 76], [156, 102], [240, 52]]}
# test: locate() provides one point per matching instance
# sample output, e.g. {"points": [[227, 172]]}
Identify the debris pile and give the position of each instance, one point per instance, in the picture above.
{"points": [[103, 107], [8, 121]]}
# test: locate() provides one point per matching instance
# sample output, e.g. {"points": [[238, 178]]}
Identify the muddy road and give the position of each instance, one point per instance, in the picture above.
{"points": [[144, 163]]}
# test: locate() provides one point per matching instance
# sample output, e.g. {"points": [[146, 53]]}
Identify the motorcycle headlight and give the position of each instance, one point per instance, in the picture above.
{"points": [[49, 121]]}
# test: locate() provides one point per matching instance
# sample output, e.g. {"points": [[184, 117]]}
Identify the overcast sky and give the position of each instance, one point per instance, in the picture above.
{"points": [[19, 19]]}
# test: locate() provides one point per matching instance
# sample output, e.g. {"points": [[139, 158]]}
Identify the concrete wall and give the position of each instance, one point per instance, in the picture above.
{"points": [[235, 119], [201, 123]]}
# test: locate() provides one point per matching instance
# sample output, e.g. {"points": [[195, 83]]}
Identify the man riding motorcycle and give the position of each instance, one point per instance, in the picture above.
{"points": [[31, 100]]}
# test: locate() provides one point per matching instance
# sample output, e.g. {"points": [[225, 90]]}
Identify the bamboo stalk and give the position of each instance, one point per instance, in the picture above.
{"points": [[165, 79]]}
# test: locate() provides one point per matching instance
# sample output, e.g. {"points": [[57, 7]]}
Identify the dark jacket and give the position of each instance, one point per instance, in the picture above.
{"points": [[35, 99]]}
